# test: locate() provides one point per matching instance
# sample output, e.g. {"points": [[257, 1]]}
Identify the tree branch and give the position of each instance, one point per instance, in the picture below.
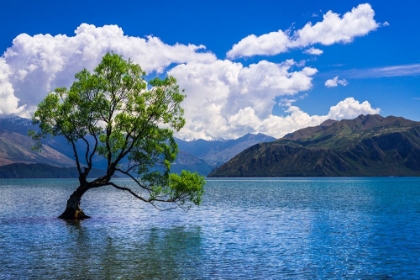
{"points": [[133, 178], [79, 169], [128, 190]]}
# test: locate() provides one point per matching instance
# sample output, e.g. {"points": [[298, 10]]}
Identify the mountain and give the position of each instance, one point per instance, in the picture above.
{"points": [[18, 160], [197, 156], [39, 170], [187, 161], [369, 145], [217, 152], [15, 147], [16, 124]]}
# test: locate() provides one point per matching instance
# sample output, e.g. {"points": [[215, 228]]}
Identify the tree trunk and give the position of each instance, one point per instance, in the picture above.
{"points": [[73, 210]]}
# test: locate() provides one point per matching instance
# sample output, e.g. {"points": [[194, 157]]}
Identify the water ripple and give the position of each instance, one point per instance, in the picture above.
{"points": [[245, 229]]}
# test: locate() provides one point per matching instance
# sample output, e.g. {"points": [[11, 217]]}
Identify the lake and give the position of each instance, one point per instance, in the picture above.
{"points": [[245, 229]]}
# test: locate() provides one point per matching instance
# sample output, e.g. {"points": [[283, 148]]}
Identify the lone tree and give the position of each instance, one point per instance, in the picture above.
{"points": [[113, 113]]}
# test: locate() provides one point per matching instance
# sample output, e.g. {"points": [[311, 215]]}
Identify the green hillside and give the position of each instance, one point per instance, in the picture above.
{"points": [[366, 146]]}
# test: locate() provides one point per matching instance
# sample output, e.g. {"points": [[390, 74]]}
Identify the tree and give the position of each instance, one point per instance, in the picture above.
{"points": [[116, 115]]}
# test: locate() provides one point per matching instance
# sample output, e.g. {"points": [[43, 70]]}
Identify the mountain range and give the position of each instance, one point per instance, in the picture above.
{"points": [[40, 170], [217, 152], [15, 147], [369, 145]]}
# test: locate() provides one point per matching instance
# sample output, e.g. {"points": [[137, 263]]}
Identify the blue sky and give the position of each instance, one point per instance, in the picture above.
{"points": [[246, 66]]}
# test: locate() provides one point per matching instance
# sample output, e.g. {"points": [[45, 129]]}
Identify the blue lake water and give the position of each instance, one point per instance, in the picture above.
{"points": [[245, 229]]}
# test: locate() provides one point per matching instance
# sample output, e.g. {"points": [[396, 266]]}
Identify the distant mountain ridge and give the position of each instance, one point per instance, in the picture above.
{"points": [[369, 145], [15, 147], [216, 152], [40, 170], [197, 156]]}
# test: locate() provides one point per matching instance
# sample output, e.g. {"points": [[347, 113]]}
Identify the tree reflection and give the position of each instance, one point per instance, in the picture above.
{"points": [[163, 253]]}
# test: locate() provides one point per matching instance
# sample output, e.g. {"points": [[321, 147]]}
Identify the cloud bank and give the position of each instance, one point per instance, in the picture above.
{"points": [[332, 29], [35, 65], [10, 103], [225, 99]]}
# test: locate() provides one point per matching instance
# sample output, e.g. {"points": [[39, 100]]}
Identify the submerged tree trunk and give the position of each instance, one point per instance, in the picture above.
{"points": [[73, 210]]}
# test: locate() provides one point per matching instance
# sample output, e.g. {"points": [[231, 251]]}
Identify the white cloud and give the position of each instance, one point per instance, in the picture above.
{"points": [[225, 99], [9, 102], [267, 44], [314, 51], [246, 120], [335, 29], [379, 72], [335, 82], [278, 126], [38, 64], [351, 108], [286, 102], [332, 29]]}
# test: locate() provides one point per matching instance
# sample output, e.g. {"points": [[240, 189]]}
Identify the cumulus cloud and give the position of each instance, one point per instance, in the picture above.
{"points": [[335, 29], [9, 104], [246, 120], [225, 99], [35, 65], [332, 29], [314, 51], [267, 44], [334, 82], [351, 108]]}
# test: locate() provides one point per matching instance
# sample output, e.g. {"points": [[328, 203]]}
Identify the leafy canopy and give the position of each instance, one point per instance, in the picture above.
{"points": [[116, 115]]}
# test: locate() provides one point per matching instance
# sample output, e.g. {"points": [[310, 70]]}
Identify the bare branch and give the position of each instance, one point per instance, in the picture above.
{"points": [[133, 178], [87, 150], [128, 190], [79, 169], [95, 147]]}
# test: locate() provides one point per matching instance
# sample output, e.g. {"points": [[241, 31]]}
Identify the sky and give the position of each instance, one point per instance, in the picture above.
{"points": [[267, 67]]}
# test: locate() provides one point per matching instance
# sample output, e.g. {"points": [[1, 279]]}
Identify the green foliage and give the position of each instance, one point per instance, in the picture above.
{"points": [[128, 119], [365, 146], [186, 186]]}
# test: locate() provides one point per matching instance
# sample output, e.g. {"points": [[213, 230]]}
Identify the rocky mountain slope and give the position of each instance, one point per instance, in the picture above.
{"points": [[18, 160], [15, 147], [369, 145]]}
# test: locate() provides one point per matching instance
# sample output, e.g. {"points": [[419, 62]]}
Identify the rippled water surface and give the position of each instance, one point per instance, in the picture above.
{"points": [[245, 229]]}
